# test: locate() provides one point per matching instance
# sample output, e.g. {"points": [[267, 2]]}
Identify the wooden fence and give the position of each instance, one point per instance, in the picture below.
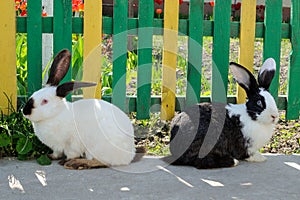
{"points": [[62, 25]]}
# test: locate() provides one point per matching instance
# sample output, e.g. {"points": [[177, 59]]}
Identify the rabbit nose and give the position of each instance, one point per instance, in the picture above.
{"points": [[28, 107], [274, 117]]}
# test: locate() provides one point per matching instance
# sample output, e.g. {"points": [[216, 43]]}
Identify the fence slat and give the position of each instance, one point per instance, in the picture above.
{"points": [[247, 36], [8, 82], [170, 38], [145, 32], [119, 53], [272, 39], [34, 45], [293, 106], [157, 23], [194, 52], [221, 50], [62, 29], [92, 47]]}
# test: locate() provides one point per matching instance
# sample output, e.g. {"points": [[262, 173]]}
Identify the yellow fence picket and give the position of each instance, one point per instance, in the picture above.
{"points": [[92, 47], [8, 81], [247, 36], [169, 59]]}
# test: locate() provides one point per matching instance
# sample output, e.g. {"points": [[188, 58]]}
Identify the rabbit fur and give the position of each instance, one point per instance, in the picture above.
{"points": [[214, 135], [89, 128]]}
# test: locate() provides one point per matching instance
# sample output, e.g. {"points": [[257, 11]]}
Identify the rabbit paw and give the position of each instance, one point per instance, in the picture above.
{"points": [[236, 162], [256, 157], [56, 155], [79, 164]]}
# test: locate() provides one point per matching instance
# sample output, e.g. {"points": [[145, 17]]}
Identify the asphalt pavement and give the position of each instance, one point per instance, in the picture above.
{"points": [[151, 178]]}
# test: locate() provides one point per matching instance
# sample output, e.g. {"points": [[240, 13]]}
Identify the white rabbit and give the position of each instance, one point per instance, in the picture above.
{"points": [[90, 128], [213, 135]]}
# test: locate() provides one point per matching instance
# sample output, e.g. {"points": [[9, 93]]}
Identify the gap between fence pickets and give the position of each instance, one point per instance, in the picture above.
{"points": [[47, 50], [285, 3]]}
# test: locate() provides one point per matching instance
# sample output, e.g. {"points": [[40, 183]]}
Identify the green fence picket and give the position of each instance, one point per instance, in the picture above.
{"points": [[34, 45], [293, 106], [144, 71], [62, 29], [220, 55], [194, 52], [120, 53], [272, 39]]}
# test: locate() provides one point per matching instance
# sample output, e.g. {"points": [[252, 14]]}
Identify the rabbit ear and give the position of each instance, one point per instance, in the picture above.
{"points": [[244, 78], [59, 67], [266, 73], [64, 89]]}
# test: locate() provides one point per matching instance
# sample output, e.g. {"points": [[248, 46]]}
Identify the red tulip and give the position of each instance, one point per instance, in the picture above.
{"points": [[158, 11]]}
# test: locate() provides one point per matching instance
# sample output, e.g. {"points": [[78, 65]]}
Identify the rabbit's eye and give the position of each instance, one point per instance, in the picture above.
{"points": [[259, 103], [45, 101]]}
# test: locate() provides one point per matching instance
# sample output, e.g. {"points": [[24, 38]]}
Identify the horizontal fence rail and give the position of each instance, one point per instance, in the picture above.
{"points": [[62, 25], [183, 27]]}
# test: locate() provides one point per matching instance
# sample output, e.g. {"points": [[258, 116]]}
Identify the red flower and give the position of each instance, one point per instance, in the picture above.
{"points": [[212, 3], [158, 11], [77, 5], [75, 8], [180, 2], [23, 13], [23, 6], [238, 6], [81, 7], [159, 2]]}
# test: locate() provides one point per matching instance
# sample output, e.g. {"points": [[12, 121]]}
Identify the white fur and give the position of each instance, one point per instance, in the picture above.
{"points": [[259, 131], [90, 127], [236, 162], [268, 65]]}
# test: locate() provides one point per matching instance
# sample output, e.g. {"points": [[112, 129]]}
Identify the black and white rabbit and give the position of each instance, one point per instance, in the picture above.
{"points": [[214, 135], [89, 128]]}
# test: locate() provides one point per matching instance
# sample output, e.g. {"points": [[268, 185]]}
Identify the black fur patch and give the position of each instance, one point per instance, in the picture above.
{"points": [[265, 78], [255, 105], [188, 134], [28, 107]]}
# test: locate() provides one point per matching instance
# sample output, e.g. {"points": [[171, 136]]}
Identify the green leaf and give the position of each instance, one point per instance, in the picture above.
{"points": [[4, 140], [24, 145], [44, 160], [22, 157], [106, 91]]}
